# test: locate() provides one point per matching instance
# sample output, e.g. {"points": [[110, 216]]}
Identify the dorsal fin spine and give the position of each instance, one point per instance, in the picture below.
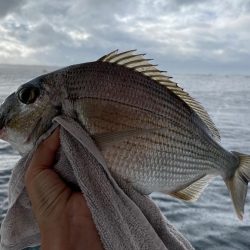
{"points": [[127, 57], [145, 66], [113, 56], [137, 61], [106, 57]]}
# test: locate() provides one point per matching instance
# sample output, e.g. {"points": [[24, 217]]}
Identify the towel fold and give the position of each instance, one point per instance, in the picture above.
{"points": [[124, 218]]}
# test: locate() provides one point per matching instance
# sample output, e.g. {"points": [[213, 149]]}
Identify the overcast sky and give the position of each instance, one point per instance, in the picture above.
{"points": [[183, 36]]}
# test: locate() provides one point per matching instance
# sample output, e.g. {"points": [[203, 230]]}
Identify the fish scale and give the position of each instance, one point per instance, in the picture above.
{"points": [[112, 86], [172, 146], [117, 87], [151, 157]]}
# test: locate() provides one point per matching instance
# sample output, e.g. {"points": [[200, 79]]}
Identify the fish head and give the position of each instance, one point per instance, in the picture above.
{"points": [[28, 112]]}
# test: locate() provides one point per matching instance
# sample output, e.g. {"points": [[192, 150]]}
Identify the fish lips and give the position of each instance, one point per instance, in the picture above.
{"points": [[5, 108]]}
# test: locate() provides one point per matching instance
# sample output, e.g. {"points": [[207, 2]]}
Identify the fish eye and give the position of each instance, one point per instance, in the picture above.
{"points": [[28, 94]]}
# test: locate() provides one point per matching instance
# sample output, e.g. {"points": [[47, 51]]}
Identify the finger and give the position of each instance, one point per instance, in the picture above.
{"points": [[44, 156], [43, 184]]}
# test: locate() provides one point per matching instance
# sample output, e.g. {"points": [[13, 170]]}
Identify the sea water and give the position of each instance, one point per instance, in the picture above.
{"points": [[209, 223]]}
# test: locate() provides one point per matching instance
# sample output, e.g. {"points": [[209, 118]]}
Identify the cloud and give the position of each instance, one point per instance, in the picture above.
{"points": [[199, 36], [9, 6]]}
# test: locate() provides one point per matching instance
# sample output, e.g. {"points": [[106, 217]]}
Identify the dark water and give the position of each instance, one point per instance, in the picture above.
{"points": [[209, 223]]}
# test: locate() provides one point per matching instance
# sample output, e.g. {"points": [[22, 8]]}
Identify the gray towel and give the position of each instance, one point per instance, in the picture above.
{"points": [[125, 219]]}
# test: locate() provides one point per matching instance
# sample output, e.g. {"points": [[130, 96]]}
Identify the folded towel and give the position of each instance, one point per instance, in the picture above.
{"points": [[124, 218]]}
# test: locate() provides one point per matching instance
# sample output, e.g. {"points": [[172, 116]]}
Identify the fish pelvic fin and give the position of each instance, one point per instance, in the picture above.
{"points": [[237, 185], [193, 191]]}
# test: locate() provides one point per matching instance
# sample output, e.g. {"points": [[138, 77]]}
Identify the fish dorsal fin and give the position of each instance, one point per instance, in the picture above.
{"points": [[194, 190], [140, 64]]}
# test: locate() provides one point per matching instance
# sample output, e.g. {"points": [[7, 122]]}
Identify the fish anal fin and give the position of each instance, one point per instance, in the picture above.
{"points": [[194, 190]]}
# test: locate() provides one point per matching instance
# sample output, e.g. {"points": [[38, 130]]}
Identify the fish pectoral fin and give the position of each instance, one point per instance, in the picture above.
{"points": [[104, 140], [194, 190]]}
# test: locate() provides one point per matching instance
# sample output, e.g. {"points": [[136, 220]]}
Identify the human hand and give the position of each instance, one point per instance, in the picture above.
{"points": [[63, 216]]}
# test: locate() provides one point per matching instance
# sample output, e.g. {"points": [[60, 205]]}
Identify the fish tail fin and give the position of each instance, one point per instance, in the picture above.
{"points": [[237, 185]]}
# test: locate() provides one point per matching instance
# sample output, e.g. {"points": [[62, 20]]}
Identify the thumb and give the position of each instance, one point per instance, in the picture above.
{"points": [[44, 186], [44, 156]]}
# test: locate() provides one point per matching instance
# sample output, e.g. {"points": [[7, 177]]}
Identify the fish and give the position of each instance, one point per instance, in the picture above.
{"points": [[151, 132]]}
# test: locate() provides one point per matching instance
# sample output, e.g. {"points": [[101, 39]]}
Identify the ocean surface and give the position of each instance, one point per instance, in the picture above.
{"points": [[210, 223]]}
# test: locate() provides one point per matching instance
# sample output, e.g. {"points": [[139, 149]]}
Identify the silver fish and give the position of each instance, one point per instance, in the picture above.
{"points": [[150, 131]]}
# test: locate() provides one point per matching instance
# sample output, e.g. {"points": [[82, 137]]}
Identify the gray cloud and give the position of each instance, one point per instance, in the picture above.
{"points": [[8, 6], [44, 35], [199, 36]]}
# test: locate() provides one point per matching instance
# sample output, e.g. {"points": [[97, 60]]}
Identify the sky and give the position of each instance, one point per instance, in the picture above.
{"points": [[183, 36]]}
